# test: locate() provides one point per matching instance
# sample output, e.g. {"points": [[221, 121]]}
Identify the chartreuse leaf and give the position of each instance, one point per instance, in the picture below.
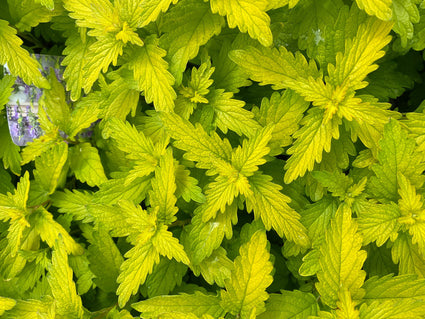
{"points": [[75, 52], [246, 289], [380, 8], [199, 83], [74, 203], [187, 26], [59, 276], [163, 189], [49, 166], [27, 14], [275, 4], [396, 155], [393, 297], [248, 16], [150, 10], [40, 145], [290, 304], [33, 308], [272, 207], [377, 222], [169, 246], [346, 306], [82, 117], [407, 255], [9, 152], [341, 259], [186, 185], [86, 164], [284, 111], [360, 53], [152, 76], [312, 139], [6, 89], [412, 212], [6, 304], [197, 304], [18, 59], [405, 14]]}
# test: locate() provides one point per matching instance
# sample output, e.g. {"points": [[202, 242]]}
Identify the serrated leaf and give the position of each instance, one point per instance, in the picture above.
{"points": [[18, 59], [380, 8], [187, 26], [187, 186], [272, 207], [139, 263], [163, 189], [290, 305], [198, 304], [6, 89], [9, 152], [169, 246], [397, 155], [402, 310], [341, 259], [68, 303], [408, 257], [150, 10], [86, 164], [49, 166], [40, 145], [82, 117], [96, 14], [405, 13], [166, 275], [249, 16], [336, 182], [377, 222], [32, 309], [246, 289], [6, 304], [27, 14], [105, 260], [73, 203], [152, 76]]}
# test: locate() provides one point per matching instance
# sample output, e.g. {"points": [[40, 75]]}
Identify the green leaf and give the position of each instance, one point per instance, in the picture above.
{"points": [[152, 76], [6, 304], [49, 166], [163, 189], [198, 304], [312, 139], [32, 309], [187, 26], [290, 304], [150, 10], [409, 309], [68, 303], [139, 263], [82, 117], [246, 289], [74, 203], [169, 246], [380, 8], [405, 13], [105, 260], [377, 222], [187, 186], [248, 16], [40, 146], [9, 152], [397, 155], [341, 259], [166, 275], [271, 206], [408, 257], [284, 112], [86, 164], [6, 89], [18, 59]]}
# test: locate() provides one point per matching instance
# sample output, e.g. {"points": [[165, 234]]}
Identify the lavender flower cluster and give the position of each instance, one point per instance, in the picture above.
{"points": [[22, 109]]}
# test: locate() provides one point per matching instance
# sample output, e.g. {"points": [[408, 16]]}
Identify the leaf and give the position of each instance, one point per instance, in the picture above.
{"points": [[290, 304], [86, 164], [408, 257], [9, 152], [380, 8], [187, 26], [312, 139], [49, 166], [105, 260], [50, 230], [75, 52], [397, 155], [377, 222], [360, 54], [59, 276], [166, 275], [405, 13], [73, 203], [402, 310], [186, 185], [6, 89], [163, 189], [18, 59], [40, 145], [341, 259], [249, 16], [150, 10], [32, 309], [169, 246], [230, 114], [6, 304], [272, 207], [139, 263], [27, 14], [284, 112], [246, 289], [198, 304], [152, 76], [247, 158]]}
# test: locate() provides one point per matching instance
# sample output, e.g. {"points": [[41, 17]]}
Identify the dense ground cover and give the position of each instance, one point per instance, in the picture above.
{"points": [[221, 158]]}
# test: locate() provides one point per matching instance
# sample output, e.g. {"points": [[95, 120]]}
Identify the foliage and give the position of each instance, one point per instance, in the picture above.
{"points": [[215, 159]]}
